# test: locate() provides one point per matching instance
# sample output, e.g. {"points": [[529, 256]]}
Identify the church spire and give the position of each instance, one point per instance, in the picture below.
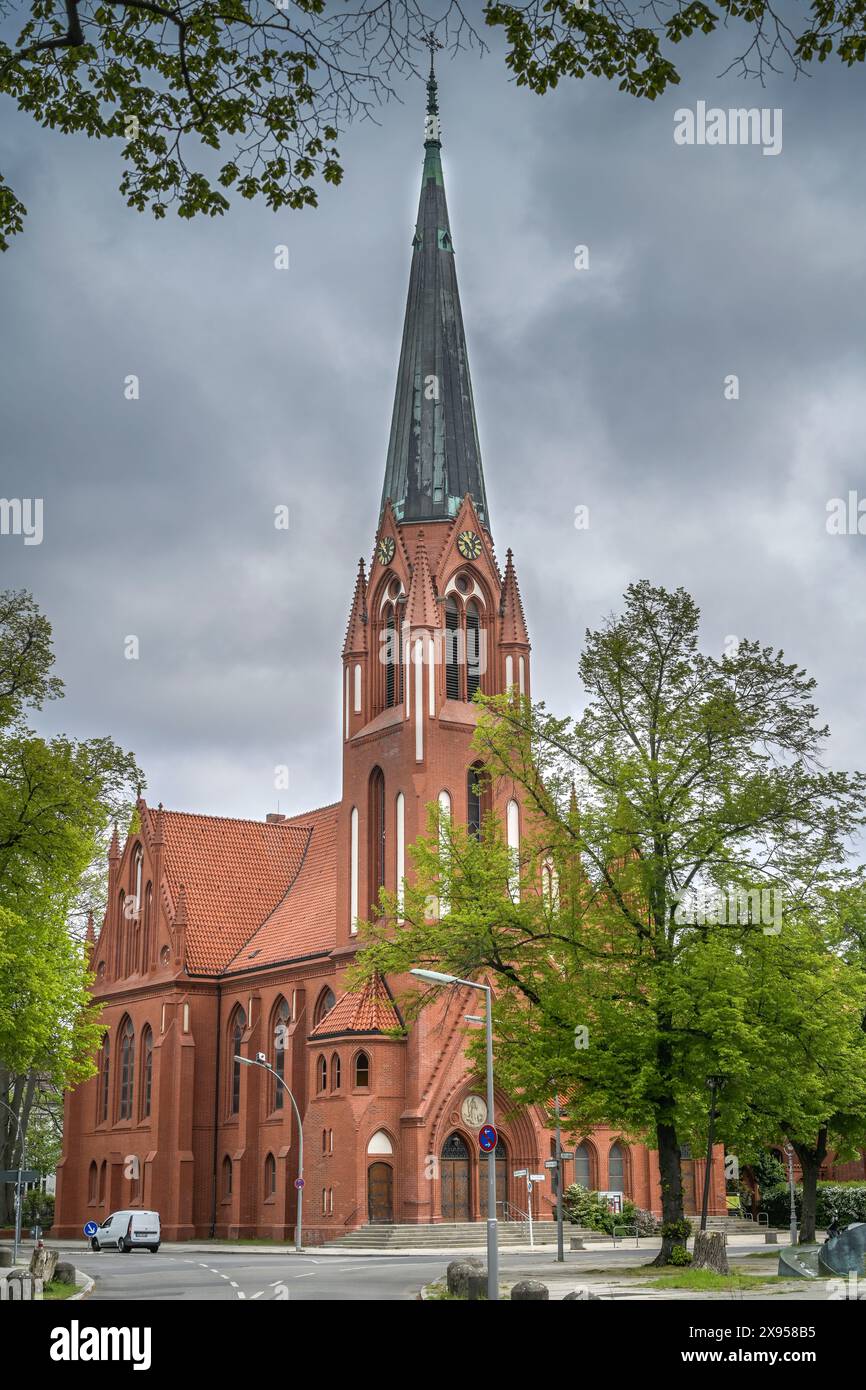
{"points": [[434, 457]]}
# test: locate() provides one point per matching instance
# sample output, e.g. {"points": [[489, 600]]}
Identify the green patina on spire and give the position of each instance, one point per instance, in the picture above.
{"points": [[434, 457]]}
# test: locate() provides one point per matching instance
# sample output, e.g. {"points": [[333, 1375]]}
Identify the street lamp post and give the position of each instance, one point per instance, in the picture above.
{"points": [[789, 1154], [715, 1084], [437, 978], [17, 1119], [560, 1236], [260, 1060]]}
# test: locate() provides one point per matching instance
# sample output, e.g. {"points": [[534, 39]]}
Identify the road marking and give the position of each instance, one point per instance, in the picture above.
{"points": [[233, 1284], [308, 1275]]}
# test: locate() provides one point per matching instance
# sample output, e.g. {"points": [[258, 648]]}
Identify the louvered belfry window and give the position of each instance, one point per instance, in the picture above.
{"points": [[452, 650], [473, 650]]}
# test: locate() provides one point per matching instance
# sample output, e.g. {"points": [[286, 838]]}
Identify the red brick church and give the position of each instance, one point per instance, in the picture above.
{"points": [[232, 937]]}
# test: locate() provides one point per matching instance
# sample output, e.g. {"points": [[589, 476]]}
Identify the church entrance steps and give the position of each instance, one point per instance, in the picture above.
{"points": [[458, 1235]]}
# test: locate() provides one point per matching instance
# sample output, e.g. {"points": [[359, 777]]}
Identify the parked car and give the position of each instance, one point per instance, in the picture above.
{"points": [[128, 1230]]}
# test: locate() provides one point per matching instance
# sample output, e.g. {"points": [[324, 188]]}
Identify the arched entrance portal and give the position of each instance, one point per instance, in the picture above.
{"points": [[380, 1194], [456, 1194], [501, 1181]]}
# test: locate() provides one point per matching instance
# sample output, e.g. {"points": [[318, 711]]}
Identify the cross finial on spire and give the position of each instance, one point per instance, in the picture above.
{"points": [[432, 125]]}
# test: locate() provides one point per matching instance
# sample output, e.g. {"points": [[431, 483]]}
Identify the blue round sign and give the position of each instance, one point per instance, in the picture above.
{"points": [[487, 1138], [90, 1228]]}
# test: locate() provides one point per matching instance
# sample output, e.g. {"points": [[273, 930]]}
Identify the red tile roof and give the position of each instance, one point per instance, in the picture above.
{"points": [[370, 1010], [303, 922], [235, 873]]}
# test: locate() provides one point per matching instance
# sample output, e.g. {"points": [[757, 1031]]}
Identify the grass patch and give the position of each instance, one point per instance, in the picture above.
{"points": [[706, 1280], [57, 1290]]}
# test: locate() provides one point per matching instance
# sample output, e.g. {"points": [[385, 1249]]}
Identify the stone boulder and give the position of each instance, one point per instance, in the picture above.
{"points": [[529, 1291], [459, 1274], [64, 1273]]}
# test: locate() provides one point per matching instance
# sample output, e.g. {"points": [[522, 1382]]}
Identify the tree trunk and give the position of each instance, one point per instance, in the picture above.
{"points": [[811, 1158], [670, 1176], [710, 1252]]}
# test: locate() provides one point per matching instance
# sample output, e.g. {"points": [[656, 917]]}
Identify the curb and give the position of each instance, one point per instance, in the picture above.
{"points": [[86, 1287]]}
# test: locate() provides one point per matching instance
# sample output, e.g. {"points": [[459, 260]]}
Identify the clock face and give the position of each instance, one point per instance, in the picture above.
{"points": [[385, 550], [469, 545]]}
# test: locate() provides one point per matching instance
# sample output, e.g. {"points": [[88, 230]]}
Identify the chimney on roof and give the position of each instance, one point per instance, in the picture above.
{"points": [[274, 818]]}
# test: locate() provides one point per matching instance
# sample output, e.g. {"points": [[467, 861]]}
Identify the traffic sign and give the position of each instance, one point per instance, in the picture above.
{"points": [[566, 1158], [299, 1182], [487, 1138], [11, 1175], [536, 1177], [521, 1172], [551, 1163], [90, 1228]]}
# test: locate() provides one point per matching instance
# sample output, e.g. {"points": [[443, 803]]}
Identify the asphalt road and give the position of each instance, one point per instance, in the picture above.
{"points": [[219, 1276]]}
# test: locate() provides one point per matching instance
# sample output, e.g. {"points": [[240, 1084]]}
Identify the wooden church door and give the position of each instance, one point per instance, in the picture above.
{"points": [[455, 1180]]}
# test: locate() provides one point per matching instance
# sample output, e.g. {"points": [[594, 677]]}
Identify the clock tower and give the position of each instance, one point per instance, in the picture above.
{"points": [[436, 618]]}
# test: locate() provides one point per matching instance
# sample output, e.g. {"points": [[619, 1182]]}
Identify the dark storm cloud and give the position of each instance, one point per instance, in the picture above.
{"points": [[601, 387]]}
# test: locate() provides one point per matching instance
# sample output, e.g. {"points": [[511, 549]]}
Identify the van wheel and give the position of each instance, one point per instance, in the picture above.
{"points": [[154, 1250], [122, 1246], [94, 1243]]}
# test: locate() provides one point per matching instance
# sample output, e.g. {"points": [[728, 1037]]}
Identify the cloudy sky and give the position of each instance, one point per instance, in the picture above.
{"points": [[602, 387]]}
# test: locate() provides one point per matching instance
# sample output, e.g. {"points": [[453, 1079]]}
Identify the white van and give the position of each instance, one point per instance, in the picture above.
{"points": [[128, 1230]]}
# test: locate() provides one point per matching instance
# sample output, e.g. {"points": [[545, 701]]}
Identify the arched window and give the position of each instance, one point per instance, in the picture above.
{"points": [[227, 1176], [473, 649], [453, 634], [324, 1141], [146, 1070], [377, 836], [392, 659], [134, 933], [616, 1168], [145, 936], [324, 1005], [92, 1182], [512, 827], [362, 1069], [475, 799], [582, 1171], [121, 926], [335, 1072], [104, 1079], [270, 1176], [380, 1143], [282, 1016], [127, 1064], [237, 1026], [103, 1168], [321, 1075]]}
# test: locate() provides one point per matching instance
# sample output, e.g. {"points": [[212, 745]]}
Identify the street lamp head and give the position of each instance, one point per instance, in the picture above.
{"points": [[435, 977], [473, 1018]]}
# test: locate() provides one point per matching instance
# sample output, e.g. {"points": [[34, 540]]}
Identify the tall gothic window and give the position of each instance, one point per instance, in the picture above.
{"points": [[146, 1071], [452, 650], [270, 1175], [145, 936], [127, 1065], [377, 835], [473, 800], [118, 945], [105, 1079], [362, 1069], [616, 1168], [282, 1015], [236, 1033], [392, 664], [582, 1166], [473, 649]]}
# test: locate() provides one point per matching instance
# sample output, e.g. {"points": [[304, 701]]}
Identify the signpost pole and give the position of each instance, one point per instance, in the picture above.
{"points": [[492, 1229], [17, 1212], [560, 1235]]}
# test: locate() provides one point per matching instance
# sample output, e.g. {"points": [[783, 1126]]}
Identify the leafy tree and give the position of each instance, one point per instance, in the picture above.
{"points": [[696, 775], [207, 97], [57, 797]]}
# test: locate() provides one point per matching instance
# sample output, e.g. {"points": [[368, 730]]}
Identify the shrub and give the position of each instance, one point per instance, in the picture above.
{"points": [[591, 1210], [676, 1230], [679, 1255], [847, 1201]]}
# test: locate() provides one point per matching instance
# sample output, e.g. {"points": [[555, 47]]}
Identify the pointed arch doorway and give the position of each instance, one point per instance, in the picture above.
{"points": [[456, 1189]]}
